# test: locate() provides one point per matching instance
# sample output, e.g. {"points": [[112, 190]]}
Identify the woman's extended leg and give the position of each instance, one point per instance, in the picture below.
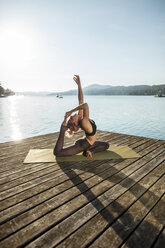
{"points": [[80, 145]]}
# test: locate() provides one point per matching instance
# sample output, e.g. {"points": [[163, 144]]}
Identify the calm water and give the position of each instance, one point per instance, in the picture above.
{"points": [[28, 116]]}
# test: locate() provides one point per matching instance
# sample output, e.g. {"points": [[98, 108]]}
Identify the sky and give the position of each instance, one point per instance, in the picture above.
{"points": [[43, 43]]}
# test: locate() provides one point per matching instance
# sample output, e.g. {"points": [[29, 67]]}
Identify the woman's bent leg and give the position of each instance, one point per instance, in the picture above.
{"points": [[99, 146]]}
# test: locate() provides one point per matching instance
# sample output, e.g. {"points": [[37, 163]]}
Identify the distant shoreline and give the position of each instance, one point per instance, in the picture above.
{"points": [[54, 95], [108, 90], [6, 96]]}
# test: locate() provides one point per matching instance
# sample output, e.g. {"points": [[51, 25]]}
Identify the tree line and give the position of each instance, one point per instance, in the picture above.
{"points": [[5, 92]]}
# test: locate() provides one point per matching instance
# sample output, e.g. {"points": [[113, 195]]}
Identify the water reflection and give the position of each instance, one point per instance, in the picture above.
{"points": [[22, 117], [14, 118]]}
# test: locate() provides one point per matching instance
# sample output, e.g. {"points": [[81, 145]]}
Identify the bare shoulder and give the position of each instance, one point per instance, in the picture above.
{"points": [[85, 124]]}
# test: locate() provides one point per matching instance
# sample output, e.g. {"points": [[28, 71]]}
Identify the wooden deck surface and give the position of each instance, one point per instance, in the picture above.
{"points": [[112, 203]]}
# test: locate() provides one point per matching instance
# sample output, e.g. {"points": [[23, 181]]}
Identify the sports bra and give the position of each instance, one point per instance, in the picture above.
{"points": [[94, 128]]}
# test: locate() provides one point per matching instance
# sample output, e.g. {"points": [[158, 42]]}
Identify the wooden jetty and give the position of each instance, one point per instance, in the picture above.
{"points": [[111, 203]]}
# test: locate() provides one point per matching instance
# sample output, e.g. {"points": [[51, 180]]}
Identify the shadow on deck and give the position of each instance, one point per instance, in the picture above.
{"points": [[111, 203]]}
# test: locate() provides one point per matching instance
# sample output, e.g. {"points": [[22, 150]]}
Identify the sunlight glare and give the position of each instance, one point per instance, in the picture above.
{"points": [[14, 120], [16, 46]]}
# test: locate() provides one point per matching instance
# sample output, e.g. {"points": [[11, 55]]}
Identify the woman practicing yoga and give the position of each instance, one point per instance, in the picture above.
{"points": [[88, 145]]}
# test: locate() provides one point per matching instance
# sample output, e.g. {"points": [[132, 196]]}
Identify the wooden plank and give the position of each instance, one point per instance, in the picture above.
{"points": [[30, 201], [22, 168], [125, 225], [25, 176], [22, 144], [39, 201], [25, 140], [49, 138], [108, 138], [160, 242], [10, 161], [40, 143], [7, 152], [96, 226], [19, 197], [79, 216], [45, 184], [63, 229], [152, 224]]}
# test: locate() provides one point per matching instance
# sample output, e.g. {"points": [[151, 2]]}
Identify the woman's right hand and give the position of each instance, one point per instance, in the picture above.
{"points": [[67, 114], [77, 79]]}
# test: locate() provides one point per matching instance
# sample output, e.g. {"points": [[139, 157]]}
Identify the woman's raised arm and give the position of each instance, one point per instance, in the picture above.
{"points": [[80, 92]]}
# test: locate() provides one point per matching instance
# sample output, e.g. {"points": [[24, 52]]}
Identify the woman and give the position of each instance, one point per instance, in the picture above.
{"points": [[88, 145]]}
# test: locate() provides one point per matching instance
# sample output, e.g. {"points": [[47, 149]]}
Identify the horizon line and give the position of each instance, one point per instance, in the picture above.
{"points": [[89, 86]]}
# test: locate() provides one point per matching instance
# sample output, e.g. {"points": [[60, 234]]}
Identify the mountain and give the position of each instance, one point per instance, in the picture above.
{"points": [[97, 89]]}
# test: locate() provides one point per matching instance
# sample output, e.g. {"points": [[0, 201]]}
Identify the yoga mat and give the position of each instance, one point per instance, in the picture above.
{"points": [[46, 155]]}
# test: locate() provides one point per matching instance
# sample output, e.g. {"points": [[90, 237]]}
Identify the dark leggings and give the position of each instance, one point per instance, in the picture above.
{"points": [[81, 145]]}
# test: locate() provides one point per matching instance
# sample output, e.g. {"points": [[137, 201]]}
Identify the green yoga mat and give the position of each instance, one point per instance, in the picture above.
{"points": [[46, 155]]}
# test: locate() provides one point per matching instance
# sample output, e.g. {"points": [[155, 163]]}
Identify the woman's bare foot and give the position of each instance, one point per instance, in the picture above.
{"points": [[88, 154]]}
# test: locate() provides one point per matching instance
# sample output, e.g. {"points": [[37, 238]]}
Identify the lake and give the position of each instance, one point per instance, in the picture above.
{"points": [[27, 116]]}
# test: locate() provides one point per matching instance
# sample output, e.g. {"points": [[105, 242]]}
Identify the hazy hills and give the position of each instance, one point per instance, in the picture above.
{"points": [[96, 89]]}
